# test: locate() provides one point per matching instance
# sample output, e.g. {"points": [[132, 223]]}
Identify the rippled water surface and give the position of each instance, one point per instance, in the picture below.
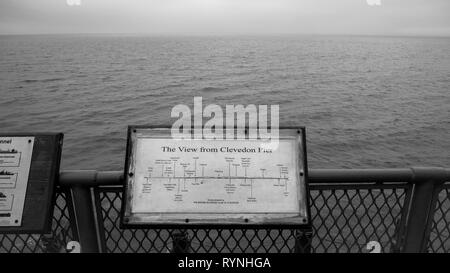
{"points": [[365, 101]]}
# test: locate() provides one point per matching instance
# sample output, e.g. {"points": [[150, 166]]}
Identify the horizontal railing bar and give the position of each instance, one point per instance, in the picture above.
{"points": [[359, 175], [319, 176], [91, 178], [369, 175], [359, 186]]}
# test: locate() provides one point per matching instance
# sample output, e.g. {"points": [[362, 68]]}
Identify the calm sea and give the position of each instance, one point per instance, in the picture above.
{"points": [[365, 101]]}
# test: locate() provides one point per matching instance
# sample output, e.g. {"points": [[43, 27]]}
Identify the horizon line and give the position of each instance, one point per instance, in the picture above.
{"points": [[168, 34]]}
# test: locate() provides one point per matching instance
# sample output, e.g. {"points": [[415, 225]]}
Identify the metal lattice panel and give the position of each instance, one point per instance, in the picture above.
{"points": [[41, 243], [439, 240], [345, 220], [201, 240]]}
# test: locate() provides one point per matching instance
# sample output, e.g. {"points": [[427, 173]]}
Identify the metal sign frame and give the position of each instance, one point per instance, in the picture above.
{"points": [[245, 220], [42, 178]]}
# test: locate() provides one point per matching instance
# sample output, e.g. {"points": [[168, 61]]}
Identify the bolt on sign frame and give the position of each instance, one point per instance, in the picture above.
{"points": [[215, 182], [29, 175]]}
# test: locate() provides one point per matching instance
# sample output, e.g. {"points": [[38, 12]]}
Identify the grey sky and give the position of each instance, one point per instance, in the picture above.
{"points": [[198, 17]]}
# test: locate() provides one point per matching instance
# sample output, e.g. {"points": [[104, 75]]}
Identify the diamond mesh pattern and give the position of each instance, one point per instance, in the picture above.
{"points": [[53, 242], [202, 240], [344, 220], [439, 240]]}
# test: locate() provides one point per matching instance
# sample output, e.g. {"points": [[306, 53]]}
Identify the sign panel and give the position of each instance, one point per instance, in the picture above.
{"points": [[29, 167], [198, 181], [15, 161]]}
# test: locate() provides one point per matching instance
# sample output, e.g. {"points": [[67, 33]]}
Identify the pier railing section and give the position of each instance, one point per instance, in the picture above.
{"points": [[402, 210]]}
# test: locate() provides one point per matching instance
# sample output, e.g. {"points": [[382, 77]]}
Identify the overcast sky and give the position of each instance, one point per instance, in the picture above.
{"points": [[216, 17]]}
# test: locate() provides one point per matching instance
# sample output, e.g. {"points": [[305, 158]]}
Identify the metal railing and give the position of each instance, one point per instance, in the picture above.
{"points": [[405, 210]]}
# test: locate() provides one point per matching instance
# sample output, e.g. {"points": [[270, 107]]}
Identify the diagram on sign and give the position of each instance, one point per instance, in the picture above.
{"points": [[193, 174], [15, 161], [224, 176]]}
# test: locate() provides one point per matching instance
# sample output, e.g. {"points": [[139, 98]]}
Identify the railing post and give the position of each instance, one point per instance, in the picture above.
{"points": [[180, 242], [85, 219], [427, 185], [303, 238]]}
